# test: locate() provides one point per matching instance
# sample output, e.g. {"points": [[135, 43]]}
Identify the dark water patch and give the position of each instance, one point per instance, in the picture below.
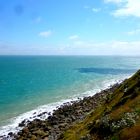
{"points": [[106, 71]]}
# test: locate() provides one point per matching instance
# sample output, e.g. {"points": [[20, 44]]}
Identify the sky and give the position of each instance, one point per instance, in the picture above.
{"points": [[69, 27]]}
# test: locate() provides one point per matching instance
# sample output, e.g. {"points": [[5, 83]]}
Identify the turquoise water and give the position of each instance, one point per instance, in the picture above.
{"points": [[29, 82]]}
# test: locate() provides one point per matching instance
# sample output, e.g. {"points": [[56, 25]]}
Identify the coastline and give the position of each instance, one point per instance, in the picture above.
{"points": [[64, 116], [41, 117], [42, 113]]}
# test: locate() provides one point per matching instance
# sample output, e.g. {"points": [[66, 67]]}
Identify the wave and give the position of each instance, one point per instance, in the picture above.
{"points": [[42, 112]]}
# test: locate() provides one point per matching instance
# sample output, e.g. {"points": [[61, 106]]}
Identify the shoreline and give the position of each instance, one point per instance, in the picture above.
{"points": [[90, 101], [43, 114]]}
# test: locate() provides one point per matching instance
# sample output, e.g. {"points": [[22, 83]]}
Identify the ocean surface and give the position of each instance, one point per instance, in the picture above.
{"points": [[30, 85]]}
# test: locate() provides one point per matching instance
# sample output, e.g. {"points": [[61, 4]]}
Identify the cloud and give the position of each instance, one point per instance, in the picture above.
{"points": [[104, 48], [96, 10], [126, 8], [74, 37], [74, 48], [92, 9], [113, 1], [45, 34], [134, 32]]}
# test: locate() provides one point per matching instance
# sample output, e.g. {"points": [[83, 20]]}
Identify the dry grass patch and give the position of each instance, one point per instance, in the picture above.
{"points": [[132, 133]]}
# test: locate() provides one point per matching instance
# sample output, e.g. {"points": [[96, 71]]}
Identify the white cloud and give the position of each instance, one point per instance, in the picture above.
{"points": [[46, 33], [74, 37], [96, 9], [126, 8], [134, 32], [75, 48], [105, 48], [114, 1]]}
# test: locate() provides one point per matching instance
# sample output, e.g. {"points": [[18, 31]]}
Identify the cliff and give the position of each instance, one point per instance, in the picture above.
{"points": [[117, 119]]}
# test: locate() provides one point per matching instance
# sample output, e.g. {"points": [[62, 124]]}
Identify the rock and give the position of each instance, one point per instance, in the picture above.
{"points": [[49, 113], [46, 138], [19, 133], [33, 137], [34, 113], [10, 134], [25, 130], [63, 125], [40, 133], [41, 114], [22, 123]]}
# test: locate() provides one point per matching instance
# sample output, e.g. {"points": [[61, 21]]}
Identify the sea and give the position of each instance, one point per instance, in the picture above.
{"points": [[30, 85]]}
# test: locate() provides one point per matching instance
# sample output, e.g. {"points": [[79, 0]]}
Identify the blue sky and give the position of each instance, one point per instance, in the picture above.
{"points": [[70, 27]]}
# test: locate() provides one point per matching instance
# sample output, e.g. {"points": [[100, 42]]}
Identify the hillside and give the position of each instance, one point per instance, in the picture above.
{"points": [[117, 119]]}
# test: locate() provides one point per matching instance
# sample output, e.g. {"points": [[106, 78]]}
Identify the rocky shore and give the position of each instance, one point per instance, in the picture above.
{"points": [[62, 118]]}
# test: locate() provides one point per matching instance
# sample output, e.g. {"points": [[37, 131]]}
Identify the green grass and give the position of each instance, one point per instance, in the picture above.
{"points": [[124, 99]]}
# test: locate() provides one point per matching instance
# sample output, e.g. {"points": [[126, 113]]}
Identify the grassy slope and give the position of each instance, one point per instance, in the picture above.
{"points": [[117, 119]]}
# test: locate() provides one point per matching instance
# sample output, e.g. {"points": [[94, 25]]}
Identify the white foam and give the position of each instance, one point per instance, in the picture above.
{"points": [[31, 115]]}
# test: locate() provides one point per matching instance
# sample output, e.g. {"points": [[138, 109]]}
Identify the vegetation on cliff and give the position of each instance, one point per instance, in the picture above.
{"points": [[117, 119]]}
